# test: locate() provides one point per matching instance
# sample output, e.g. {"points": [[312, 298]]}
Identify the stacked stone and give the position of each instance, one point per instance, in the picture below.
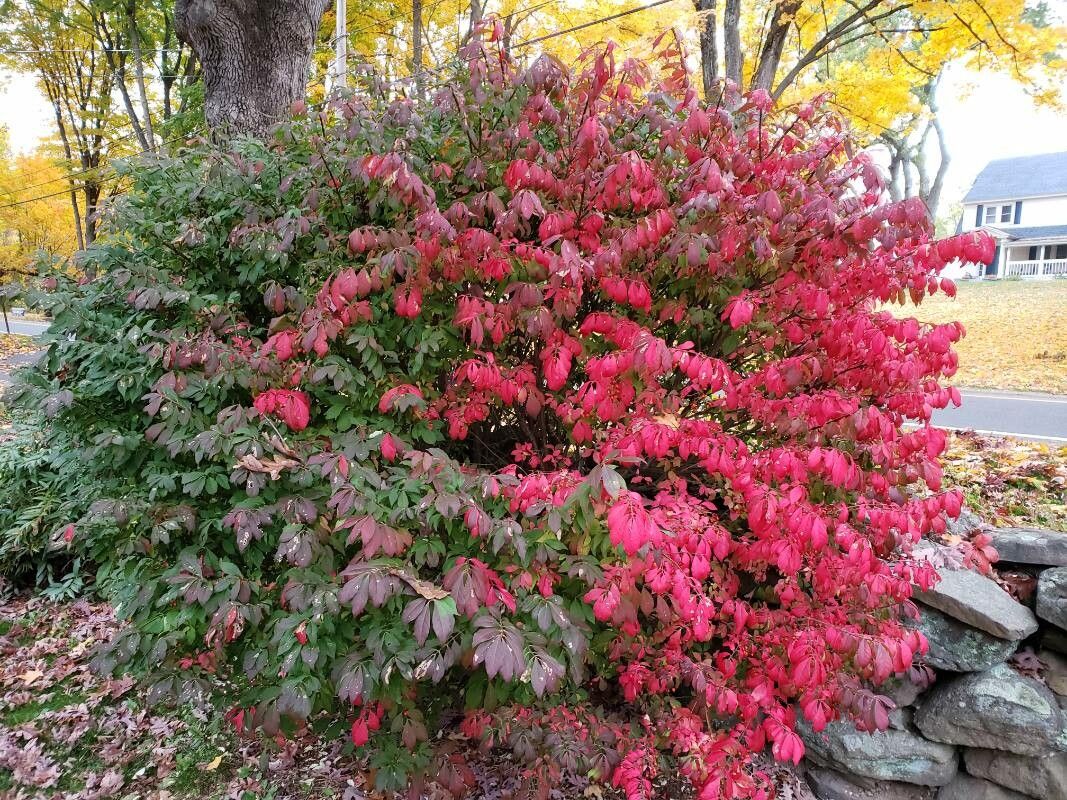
{"points": [[983, 731]]}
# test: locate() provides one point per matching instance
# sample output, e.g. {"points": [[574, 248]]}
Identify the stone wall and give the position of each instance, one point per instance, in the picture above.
{"points": [[986, 729]]}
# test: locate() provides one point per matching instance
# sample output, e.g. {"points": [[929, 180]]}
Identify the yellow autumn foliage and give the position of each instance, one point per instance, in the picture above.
{"points": [[27, 228]]}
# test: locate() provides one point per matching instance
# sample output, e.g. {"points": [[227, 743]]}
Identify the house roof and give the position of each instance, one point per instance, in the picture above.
{"points": [[1036, 234], [1027, 176]]}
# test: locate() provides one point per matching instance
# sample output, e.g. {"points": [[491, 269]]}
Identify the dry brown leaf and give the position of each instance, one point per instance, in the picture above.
{"points": [[422, 588], [268, 466], [1033, 357], [31, 676]]}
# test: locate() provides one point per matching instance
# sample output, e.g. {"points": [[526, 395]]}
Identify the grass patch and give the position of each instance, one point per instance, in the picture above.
{"points": [[30, 711], [1016, 333]]}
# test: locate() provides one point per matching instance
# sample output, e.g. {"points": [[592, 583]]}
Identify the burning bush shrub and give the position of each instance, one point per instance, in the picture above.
{"points": [[562, 409]]}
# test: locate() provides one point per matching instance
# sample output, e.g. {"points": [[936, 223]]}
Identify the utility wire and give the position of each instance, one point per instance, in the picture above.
{"points": [[68, 189], [589, 24], [437, 71]]}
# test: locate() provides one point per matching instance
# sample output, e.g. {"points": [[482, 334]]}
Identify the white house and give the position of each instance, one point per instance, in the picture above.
{"points": [[1022, 203]]}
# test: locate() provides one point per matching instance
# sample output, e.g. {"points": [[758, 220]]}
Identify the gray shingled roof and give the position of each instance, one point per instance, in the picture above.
{"points": [[1042, 232], [1027, 176]]}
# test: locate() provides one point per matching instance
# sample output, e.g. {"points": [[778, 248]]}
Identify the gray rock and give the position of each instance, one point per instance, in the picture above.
{"points": [[890, 755], [979, 602], [1055, 671], [964, 787], [1044, 778], [967, 523], [1052, 596], [957, 647], [900, 719], [901, 691], [829, 784], [1031, 546], [997, 709]]}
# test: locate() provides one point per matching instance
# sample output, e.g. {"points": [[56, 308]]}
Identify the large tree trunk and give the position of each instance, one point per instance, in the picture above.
{"points": [[255, 56], [709, 49]]}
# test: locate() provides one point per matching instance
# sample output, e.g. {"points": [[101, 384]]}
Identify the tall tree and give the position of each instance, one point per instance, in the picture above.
{"points": [[881, 62], [28, 229], [256, 56], [51, 41]]}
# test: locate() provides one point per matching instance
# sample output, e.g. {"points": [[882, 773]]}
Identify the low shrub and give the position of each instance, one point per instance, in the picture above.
{"points": [[561, 408]]}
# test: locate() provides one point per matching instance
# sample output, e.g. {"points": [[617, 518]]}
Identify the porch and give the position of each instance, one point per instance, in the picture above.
{"points": [[1029, 261]]}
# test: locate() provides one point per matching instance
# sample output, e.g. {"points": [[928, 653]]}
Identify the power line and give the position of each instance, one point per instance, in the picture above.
{"points": [[68, 189], [80, 172], [589, 24], [437, 71]]}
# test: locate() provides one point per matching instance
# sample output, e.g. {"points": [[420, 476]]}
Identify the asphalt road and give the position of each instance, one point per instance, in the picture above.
{"points": [[1029, 416], [23, 327], [1025, 415]]}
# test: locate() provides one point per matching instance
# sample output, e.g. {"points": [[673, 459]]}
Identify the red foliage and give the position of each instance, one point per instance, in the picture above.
{"points": [[291, 407], [671, 316]]}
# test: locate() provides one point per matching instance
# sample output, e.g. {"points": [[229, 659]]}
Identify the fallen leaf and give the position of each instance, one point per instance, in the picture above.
{"points": [[31, 676]]}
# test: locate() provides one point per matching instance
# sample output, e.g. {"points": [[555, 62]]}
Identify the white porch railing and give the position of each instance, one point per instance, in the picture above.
{"points": [[1045, 268]]}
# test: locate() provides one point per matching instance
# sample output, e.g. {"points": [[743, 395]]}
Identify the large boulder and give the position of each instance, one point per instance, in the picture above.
{"points": [[997, 709], [964, 787], [1052, 596], [1043, 778], [978, 601], [891, 755], [1031, 546], [828, 784], [957, 647]]}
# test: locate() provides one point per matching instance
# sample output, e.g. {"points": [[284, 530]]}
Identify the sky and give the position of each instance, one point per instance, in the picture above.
{"points": [[985, 116]]}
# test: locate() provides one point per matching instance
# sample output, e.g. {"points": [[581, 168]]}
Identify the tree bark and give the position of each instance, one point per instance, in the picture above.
{"points": [[416, 46], [255, 56], [933, 196], [773, 44], [138, 71], [54, 97], [476, 17], [709, 48], [731, 41]]}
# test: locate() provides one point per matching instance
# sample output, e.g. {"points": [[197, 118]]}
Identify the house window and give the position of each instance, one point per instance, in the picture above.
{"points": [[990, 215], [1005, 213], [1031, 254], [1061, 251]]}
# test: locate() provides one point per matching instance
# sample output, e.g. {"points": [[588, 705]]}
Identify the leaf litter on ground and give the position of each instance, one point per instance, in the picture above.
{"points": [[1010, 482], [66, 732]]}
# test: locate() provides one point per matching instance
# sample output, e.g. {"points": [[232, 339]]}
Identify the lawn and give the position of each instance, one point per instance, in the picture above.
{"points": [[1016, 333]]}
